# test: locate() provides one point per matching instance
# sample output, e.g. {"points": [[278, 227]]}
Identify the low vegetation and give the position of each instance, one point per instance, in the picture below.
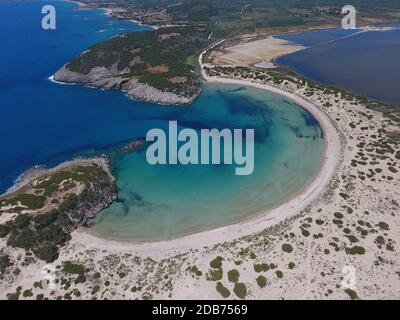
{"points": [[225, 293], [240, 290], [261, 281], [233, 275], [43, 222]]}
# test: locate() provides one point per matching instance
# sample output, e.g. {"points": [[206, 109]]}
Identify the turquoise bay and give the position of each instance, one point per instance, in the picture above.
{"points": [[164, 201], [46, 123]]}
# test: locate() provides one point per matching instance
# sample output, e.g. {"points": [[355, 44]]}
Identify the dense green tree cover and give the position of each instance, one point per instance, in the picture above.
{"points": [[47, 252], [162, 58]]}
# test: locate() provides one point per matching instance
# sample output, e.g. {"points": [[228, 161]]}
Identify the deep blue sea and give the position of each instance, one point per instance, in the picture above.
{"points": [[42, 122], [45, 123], [364, 63]]}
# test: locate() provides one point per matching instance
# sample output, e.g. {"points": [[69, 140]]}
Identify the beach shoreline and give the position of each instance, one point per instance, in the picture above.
{"points": [[257, 222]]}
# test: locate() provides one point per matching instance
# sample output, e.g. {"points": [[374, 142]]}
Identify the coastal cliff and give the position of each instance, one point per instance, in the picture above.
{"points": [[105, 78], [155, 66]]}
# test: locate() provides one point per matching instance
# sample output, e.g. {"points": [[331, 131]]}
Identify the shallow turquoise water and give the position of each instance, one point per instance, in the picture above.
{"points": [[158, 202]]}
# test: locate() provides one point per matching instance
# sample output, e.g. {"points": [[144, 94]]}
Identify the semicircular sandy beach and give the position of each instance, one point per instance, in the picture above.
{"points": [[262, 221]]}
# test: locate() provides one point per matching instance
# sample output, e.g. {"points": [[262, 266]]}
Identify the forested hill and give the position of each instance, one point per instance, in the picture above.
{"points": [[157, 66]]}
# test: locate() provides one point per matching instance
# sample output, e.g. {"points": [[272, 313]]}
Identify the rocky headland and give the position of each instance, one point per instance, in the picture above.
{"points": [[39, 213], [110, 78], [155, 66]]}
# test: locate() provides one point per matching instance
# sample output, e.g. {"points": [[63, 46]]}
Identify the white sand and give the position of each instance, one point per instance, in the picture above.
{"points": [[253, 52]]}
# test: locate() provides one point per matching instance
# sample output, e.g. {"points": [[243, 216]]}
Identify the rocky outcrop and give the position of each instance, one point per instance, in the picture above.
{"points": [[141, 91], [133, 145], [109, 78], [97, 74], [96, 197]]}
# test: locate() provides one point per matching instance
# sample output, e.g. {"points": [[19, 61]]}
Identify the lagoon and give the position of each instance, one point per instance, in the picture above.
{"points": [[365, 63]]}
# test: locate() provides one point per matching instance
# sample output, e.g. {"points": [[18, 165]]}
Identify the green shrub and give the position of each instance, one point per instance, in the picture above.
{"points": [[95, 289], [262, 267], [261, 281], [225, 293], [304, 232], [27, 293], [344, 195], [279, 274], [73, 268], [4, 230], [69, 203], [240, 290], [383, 225], [30, 201], [352, 294], [53, 233], [355, 250], [215, 274], [80, 279], [216, 263], [47, 252], [196, 271], [45, 219], [352, 238], [5, 262], [291, 265], [13, 296], [338, 215], [258, 267], [233, 275], [337, 221], [21, 221], [287, 248], [265, 267], [25, 239]]}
